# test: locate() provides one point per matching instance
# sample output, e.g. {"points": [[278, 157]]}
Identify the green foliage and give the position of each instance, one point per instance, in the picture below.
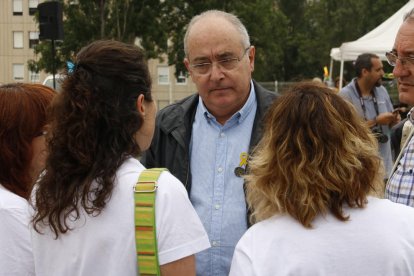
{"points": [[88, 20], [317, 26], [267, 26], [293, 38]]}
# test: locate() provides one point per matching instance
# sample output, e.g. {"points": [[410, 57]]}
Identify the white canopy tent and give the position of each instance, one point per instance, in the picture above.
{"points": [[378, 41]]}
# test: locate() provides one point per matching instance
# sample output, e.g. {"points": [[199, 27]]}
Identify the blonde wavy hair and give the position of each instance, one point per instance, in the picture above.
{"points": [[315, 155]]}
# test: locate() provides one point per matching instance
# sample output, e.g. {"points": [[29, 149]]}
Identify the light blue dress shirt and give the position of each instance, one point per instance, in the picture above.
{"points": [[217, 194]]}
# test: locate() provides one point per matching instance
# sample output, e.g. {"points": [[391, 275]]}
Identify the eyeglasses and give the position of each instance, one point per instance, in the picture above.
{"points": [[392, 59], [226, 64]]}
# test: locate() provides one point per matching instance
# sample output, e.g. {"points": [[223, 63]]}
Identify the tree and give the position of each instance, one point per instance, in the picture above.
{"points": [[317, 26], [176, 15], [267, 27], [261, 18], [87, 20], [293, 38]]}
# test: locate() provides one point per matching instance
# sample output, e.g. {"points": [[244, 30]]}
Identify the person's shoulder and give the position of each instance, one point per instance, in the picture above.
{"points": [[9, 201], [382, 88], [168, 184], [392, 208], [346, 90], [261, 91], [276, 224], [183, 103], [399, 126], [178, 108], [130, 165], [382, 91]]}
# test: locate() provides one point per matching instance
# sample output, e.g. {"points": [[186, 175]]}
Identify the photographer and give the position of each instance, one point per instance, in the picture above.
{"points": [[372, 102]]}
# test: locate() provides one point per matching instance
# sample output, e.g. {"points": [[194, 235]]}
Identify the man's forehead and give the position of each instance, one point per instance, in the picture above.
{"points": [[213, 36], [214, 54], [212, 28], [376, 62], [404, 41]]}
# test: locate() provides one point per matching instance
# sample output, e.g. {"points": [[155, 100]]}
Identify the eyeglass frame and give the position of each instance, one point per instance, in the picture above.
{"points": [[403, 60], [219, 62]]}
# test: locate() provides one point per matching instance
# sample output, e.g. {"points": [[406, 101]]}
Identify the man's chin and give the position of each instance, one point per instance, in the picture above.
{"points": [[406, 96]]}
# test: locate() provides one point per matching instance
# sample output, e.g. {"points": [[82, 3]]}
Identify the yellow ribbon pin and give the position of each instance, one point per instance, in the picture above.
{"points": [[243, 159]]}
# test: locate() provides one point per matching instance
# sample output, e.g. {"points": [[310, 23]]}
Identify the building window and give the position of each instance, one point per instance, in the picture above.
{"points": [[34, 77], [33, 6], [33, 39], [17, 7], [181, 79], [18, 71], [163, 75], [18, 40]]}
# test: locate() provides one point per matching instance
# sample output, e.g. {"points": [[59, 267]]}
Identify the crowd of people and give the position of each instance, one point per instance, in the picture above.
{"points": [[257, 183]]}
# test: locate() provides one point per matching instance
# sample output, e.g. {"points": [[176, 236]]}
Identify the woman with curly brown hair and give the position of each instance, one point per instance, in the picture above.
{"points": [[308, 189], [84, 203], [23, 121]]}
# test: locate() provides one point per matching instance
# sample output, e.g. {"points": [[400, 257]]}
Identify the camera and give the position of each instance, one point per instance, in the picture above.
{"points": [[381, 137]]}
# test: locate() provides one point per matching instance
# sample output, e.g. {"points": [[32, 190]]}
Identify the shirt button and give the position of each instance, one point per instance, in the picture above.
{"points": [[220, 169], [222, 134], [217, 206], [215, 243]]}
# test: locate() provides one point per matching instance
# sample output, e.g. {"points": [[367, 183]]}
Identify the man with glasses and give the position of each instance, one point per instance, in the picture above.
{"points": [[372, 102], [400, 187], [205, 139]]}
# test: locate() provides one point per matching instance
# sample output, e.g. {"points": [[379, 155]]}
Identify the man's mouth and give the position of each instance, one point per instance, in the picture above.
{"points": [[218, 89], [405, 84]]}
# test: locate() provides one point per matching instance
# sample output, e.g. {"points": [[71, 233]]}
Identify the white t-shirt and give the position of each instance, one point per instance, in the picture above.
{"points": [[15, 250], [105, 244], [377, 240]]}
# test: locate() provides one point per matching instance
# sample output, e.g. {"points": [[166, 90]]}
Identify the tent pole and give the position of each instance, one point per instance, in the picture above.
{"points": [[341, 74], [330, 70]]}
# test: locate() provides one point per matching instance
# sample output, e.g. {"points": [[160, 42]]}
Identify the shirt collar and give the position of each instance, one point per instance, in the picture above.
{"points": [[410, 115], [239, 115]]}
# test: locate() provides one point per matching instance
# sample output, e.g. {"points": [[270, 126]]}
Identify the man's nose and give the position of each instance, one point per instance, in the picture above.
{"points": [[216, 71], [399, 69]]}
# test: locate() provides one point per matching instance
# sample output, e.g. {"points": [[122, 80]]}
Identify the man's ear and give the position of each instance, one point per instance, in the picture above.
{"points": [[252, 52], [187, 65], [140, 105]]}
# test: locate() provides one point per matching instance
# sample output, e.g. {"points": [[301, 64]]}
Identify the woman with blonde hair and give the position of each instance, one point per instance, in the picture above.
{"points": [[308, 189]]}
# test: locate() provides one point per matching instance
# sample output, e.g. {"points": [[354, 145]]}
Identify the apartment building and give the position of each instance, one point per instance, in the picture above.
{"points": [[166, 87], [19, 33], [18, 36]]}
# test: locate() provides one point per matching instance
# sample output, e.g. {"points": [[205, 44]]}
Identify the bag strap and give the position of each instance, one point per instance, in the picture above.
{"points": [[145, 232]]}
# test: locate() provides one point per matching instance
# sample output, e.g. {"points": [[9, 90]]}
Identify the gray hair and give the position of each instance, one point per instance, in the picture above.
{"points": [[231, 18], [409, 15]]}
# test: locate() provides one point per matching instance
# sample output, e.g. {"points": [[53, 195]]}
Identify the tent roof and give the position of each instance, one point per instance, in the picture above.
{"points": [[378, 41]]}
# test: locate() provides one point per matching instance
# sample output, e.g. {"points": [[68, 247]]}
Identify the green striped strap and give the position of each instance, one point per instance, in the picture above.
{"points": [[145, 232]]}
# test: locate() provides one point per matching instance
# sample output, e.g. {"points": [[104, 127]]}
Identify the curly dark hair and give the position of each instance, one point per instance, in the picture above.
{"points": [[94, 122]]}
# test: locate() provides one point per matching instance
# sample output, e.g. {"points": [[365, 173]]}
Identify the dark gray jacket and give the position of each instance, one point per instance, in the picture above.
{"points": [[171, 142]]}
